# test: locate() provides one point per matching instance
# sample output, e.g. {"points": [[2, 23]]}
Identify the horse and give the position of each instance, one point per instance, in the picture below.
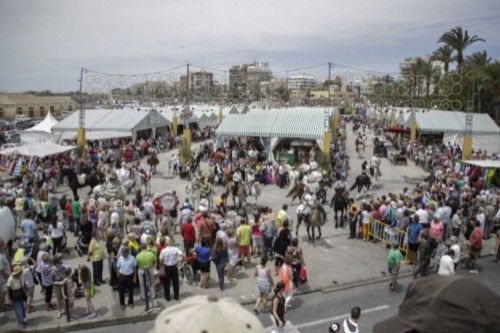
{"points": [[255, 190], [339, 203], [126, 177], [153, 162], [315, 219], [241, 193], [74, 181], [362, 181], [297, 191]]}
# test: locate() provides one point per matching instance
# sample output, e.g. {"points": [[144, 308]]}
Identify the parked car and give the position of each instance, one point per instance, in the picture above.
{"points": [[9, 145]]}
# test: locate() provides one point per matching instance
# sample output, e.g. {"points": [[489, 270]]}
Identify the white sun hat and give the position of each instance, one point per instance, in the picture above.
{"points": [[207, 314]]}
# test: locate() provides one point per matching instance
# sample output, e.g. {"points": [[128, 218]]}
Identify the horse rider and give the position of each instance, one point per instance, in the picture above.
{"points": [[340, 186], [237, 179], [359, 142], [112, 188], [375, 166]]}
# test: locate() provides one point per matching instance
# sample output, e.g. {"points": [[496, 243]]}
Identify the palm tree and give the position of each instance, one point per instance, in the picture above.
{"points": [[459, 40], [416, 73], [477, 60], [444, 54]]}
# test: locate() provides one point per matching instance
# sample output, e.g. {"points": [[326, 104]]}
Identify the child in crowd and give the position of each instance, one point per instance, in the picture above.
{"points": [[85, 279], [69, 289]]}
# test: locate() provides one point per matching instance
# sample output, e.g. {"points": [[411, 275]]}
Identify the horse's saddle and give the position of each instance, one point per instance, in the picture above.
{"points": [[81, 178]]}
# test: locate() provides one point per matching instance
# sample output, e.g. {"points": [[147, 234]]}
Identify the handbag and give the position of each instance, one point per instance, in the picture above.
{"points": [[93, 290], [303, 274]]}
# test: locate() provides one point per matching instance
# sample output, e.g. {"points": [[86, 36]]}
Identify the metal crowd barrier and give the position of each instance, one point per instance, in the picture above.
{"points": [[384, 233]]}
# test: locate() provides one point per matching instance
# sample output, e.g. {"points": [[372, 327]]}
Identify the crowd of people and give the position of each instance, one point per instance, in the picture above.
{"points": [[138, 242]]}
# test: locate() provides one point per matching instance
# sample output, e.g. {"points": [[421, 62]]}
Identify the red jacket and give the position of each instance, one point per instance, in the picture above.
{"points": [[476, 239], [188, 232], [158, 209]]}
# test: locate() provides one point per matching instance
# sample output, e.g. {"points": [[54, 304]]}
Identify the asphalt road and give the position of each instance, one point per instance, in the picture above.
{"points": [[313, 313]]}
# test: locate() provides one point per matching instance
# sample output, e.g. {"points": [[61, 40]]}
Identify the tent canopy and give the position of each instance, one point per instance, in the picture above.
{"points": [[484, 163], [118, 120], [37, 149], [45, 125], [298, 124], [453, 122]]}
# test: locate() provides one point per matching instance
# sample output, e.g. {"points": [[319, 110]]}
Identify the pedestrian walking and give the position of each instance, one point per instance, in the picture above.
{"points": [[279, 306], [146, 261], [203, 257], [28, 278], [232, 251], [424, 254], [56, 231], [286, 276], [69, 289], [17, 295], [126, 266], [297, 256], [170, 256], [243, 235], [264, 284], [96, 254], [394, 263], [220, 258], [85, 279], [350, 325]]}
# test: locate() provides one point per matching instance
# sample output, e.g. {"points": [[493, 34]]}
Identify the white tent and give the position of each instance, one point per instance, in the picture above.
{"points": [[37, 149], [41, 132]]}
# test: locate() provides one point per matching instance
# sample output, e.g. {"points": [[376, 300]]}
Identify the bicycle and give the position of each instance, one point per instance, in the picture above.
{"points": [[186, 269]]}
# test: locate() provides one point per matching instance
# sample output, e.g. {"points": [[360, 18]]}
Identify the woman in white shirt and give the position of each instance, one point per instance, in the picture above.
{"points": [[56, 231], [446, 266]]}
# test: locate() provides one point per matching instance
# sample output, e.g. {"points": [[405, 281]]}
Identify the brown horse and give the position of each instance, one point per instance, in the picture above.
{"points": [[240, 193], [315, 219], [297, 191]]}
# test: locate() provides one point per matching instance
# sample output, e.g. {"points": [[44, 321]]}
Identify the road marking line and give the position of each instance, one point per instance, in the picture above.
{"points": [[332, 319]]}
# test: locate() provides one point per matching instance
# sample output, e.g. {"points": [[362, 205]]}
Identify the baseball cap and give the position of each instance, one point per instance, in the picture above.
{"points": [[443, 304], [207, 314]]}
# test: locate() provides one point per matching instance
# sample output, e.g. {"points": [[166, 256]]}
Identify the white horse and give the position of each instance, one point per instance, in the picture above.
{"points": [[126, 177], [254, 188], [193, 192]]}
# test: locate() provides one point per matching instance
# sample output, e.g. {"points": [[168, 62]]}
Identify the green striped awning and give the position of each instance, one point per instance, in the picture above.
{"points": [[299, 124]]}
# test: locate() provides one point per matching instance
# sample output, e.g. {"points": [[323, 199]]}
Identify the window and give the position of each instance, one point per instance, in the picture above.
{"points": [[19, 111], [1, 113], [52, 109], [42, 111], [31, 113], [70, 108]]}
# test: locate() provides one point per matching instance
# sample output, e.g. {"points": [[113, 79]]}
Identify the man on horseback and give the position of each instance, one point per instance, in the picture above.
{"points": [[237, 179], [375, 167]]}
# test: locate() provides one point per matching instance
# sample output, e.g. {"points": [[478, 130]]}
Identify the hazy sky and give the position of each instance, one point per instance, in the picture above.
{"points": [[44, 43]]}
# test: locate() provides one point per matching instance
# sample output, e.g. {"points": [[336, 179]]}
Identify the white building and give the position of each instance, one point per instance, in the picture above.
{"points": [[301, 82]]}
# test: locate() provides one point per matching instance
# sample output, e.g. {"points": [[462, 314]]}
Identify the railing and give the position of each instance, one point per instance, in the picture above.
{"points": [[384, 233]]}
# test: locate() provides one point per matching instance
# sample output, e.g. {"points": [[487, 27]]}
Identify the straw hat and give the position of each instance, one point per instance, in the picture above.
{"points": [[17, 270], [231, 317]]}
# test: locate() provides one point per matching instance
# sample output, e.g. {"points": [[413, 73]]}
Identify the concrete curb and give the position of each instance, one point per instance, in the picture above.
{"points": [[74, 326]]}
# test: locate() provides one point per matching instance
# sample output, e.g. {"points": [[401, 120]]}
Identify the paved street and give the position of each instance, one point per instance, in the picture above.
{"points": [[313, 313]]}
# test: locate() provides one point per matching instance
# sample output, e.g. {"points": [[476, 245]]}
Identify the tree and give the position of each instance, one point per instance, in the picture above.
{"points": [[459, 40], [429, 73], [444, 54], [477, 60]]}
